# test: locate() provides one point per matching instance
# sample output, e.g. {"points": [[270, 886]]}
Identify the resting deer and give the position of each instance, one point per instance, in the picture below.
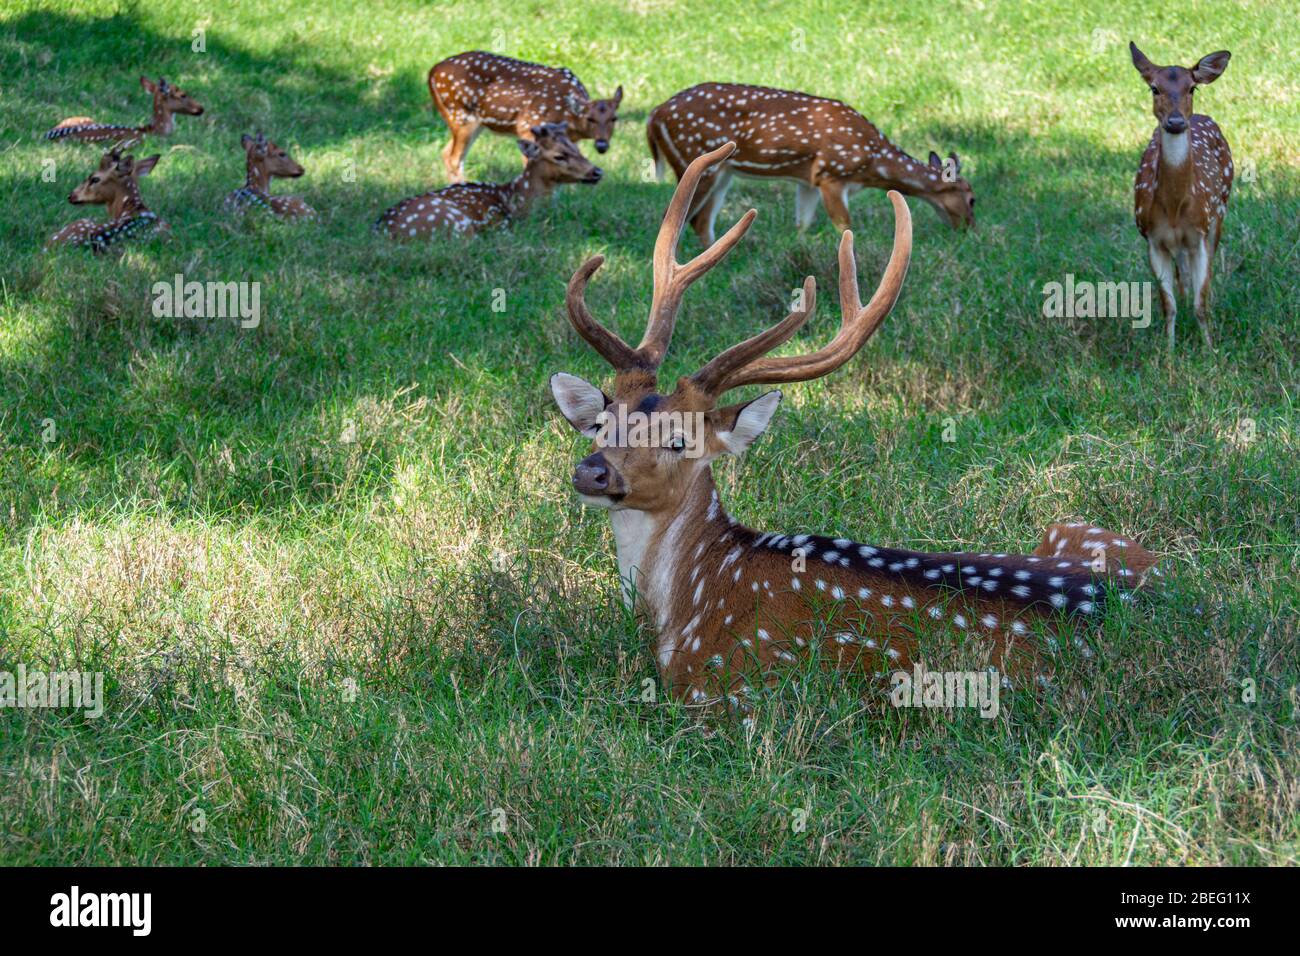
{"points": [[476, 91], [464, 209], [167, 100], [1183, 183], [115, 184], [729, 603], [829, 149], [266, 160]]}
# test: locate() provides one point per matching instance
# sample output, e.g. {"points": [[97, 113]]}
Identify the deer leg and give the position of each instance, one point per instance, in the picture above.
{"points": [[1202, 271], [833, 196], [453, 154], [1162, 265], [706, 209], [805, 205]]}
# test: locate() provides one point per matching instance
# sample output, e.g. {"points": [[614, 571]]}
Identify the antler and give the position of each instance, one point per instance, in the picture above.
{"points": [[744, 364], [671, 278]]}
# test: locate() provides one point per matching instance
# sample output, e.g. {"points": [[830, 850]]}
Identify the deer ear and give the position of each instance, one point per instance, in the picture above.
{"points": [[1140, 61], [245, 141], [530, 149], [145, 166], [1211, 67], [934, 159], [956, 163], [580, 402], [739, 425], [618, 96], [148, 84]]}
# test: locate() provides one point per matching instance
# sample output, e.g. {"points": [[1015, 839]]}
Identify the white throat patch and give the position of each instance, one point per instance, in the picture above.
{"points": [[1173, 147]]}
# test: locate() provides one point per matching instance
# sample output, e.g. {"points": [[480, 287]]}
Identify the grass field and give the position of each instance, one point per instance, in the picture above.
{"points": [[345, 604]]}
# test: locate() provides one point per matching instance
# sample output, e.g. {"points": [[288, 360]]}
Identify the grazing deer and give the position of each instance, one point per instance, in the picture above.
{"points": [[829, 149], [266, 160], [476, 91], [167, 100], [115, 184], [729, 603], [1181, 193], [464, 209]]}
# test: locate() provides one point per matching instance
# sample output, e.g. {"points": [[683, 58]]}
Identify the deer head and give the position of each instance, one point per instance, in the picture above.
{"points": [[1172, 86], [652, 468], [554, 157], [114, 183], [952, 196], [269, 158], [171, 99], [595, 119]]}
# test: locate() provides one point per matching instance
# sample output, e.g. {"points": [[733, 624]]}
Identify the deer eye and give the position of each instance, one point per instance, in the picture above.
{"points": [[1155, 91], [93, 180], [678, 443]]}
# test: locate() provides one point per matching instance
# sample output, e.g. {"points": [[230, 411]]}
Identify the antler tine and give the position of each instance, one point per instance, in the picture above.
{"points": [[857, 324], [608, 345], [713, 377], [671, 278], [128, 142]]}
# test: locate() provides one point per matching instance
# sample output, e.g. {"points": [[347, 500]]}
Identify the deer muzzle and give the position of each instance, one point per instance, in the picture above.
{"points": [[592, 476]]}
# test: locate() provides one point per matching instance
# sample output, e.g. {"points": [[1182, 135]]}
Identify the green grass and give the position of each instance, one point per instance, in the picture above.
{"points": [[198, 531]]}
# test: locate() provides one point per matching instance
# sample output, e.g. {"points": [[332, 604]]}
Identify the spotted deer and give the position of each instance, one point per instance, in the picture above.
{"points": [[827, 148], [730, 604], [464, 209], [266, 160], [167, 100], [1181, 193], [476, 91], [115, 184]]}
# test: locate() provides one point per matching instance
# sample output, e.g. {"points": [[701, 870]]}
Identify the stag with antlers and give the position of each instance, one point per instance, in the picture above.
{"points": [[730, 604]]}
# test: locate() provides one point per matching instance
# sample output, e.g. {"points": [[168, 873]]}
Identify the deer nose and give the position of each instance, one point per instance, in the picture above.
{"points": [[1175, 123], [602, 145], [595, 174], [591, 477]]}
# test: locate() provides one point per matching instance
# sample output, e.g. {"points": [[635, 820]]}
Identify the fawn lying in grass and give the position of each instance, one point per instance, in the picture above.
{"points": [[167, 100], [466, 208], [115, 184], [265, 161]]}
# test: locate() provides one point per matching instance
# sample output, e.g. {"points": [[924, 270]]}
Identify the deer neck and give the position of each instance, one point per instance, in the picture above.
{"points": [[126, 203], [258, 178], [161, 123], [894, 169], [526, 189], [656, 550], [1174, 176]]}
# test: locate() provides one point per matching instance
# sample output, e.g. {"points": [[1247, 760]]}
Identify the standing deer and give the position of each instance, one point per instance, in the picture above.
{"points": [[464, 209], [115, 184], [475, 91], [1181, 193], [829, 149], [167, 100], [264, 160], [728, 603]]}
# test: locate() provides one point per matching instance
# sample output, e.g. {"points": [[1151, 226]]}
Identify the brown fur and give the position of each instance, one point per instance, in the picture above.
{"points": [[827, 147], [1179, 206], [476, 90], [167, 100], [465, 209]]}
